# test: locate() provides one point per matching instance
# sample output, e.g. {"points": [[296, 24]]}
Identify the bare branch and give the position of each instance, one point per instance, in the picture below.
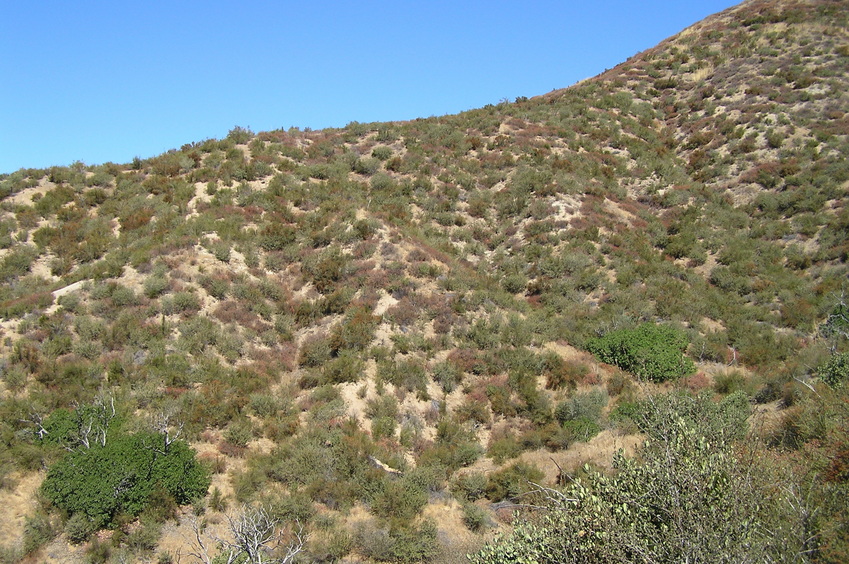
{"points": [[256, 535]]}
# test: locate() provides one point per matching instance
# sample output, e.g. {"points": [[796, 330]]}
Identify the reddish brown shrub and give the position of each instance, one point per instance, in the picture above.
{"points": [[405, 312], [467, 360], [231, 450]]}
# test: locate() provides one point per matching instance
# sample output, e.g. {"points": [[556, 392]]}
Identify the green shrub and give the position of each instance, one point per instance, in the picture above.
{"points": [[503, 448], [729, 381], [277, 236], [102, 482], [366, 166], [469, 487], [409, 375], [239, 433], [264, 404], [99, 552], [382, 427], [382, 182], [381, 152], [455, 447], [217, 286], [721, 422], [472, 410], [347, 367], [123, 297], [382, 406], [144, 538], [580, 429], [325, 269], [79, 528], [355, 332], [447, 375], [587, 405], [836, 326], [651, 352], [474, 517], [197, 334], [835, 371], [184, 302], [400, 500], [406, 543], [38, 530], [512, 481], [315, 351], [17, 263], [685, 498]]}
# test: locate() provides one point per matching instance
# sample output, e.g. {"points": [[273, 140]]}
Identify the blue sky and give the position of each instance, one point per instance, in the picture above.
{"points": [[108, 81]]}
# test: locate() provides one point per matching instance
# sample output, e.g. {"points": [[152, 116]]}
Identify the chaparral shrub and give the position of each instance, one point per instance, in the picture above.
{"points": [[652, 352], [121, 476]]}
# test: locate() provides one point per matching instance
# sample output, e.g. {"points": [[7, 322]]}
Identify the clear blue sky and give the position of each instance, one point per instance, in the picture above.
{"points": [[108, 81]]}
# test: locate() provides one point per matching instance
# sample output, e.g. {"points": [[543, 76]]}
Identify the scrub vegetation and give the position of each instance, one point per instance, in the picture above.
{"points": [[608, 323]]}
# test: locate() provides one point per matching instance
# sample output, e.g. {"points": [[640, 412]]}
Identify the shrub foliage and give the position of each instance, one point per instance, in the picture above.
{"points": [[652, 352], [120, 477], [685, 498]]}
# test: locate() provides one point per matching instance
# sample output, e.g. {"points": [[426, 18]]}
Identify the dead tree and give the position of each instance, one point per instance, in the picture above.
{"points": [[256, 535]]}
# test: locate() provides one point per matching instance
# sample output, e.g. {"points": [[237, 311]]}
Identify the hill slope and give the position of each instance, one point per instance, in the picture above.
{"points": [[422, 292]]}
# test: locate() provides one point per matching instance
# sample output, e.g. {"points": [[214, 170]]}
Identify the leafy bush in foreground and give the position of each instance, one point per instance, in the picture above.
{"points": [[685, 498], [652, 352]]}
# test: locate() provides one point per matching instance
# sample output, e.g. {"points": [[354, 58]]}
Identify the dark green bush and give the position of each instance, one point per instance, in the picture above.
{"points": [[102, 482], [580, 429], [651, 352]]}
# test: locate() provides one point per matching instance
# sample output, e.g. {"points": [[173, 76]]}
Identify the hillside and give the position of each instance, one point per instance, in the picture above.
{"points": [[384, 331]]}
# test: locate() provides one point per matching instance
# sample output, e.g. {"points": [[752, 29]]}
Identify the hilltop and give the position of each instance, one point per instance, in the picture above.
{"points": [[384, 330]]}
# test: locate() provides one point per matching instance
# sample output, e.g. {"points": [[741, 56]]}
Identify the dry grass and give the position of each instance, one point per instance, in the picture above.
{"points": [[17, 503]]}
